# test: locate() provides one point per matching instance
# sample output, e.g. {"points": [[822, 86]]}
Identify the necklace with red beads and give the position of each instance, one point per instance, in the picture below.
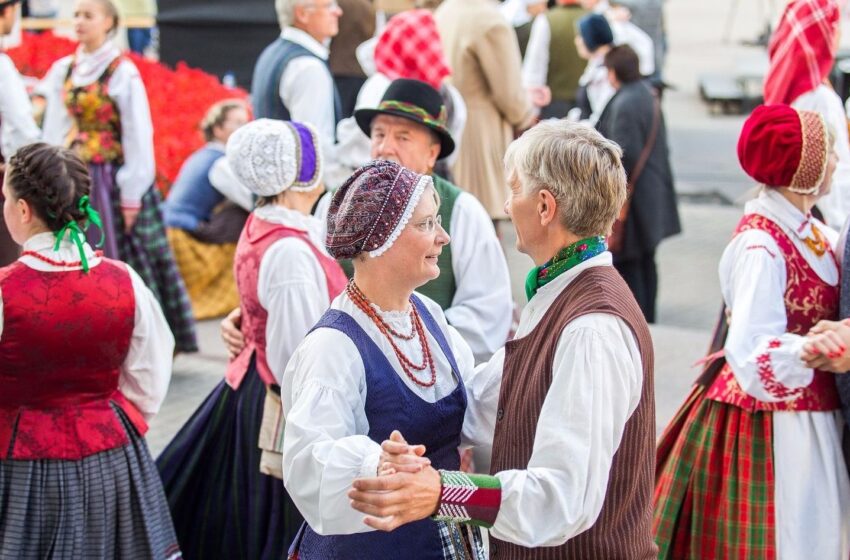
{"points": [[363, 303], [54, 262]]}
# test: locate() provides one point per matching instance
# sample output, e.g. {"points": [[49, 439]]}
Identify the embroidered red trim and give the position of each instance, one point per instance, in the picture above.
{"points": [[769, 252], [768, 378]]}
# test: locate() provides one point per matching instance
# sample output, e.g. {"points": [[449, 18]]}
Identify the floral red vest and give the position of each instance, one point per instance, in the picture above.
{"points": [[65, 337], [808, 299], [96, 134], [257, 236]]}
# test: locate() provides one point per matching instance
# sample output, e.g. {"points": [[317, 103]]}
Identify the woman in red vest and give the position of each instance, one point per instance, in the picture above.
{"points": [[751, 466], [85, 362], [217, 477]]}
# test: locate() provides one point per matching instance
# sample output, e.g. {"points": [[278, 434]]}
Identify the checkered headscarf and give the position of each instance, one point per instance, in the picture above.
{"points": [[802, 50], [410, 47]]}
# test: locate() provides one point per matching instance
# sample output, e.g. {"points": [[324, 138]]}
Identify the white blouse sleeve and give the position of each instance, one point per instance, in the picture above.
{"points": [[480, 311], [137, 174], [293, 290], [16, 122], [57, 121], [535, 65], [324, 394], [763, 356], [596, 386], [146, 371]]}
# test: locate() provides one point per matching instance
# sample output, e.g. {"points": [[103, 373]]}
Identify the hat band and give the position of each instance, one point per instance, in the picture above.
{"points": [[814, 157], [421, 114]]}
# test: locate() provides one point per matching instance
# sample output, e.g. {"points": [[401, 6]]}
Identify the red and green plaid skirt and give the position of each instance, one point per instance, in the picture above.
{"points": [[714, 483]]}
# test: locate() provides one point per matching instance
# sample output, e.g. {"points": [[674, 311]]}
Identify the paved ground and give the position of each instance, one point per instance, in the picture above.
{"points": [[711, 186]]}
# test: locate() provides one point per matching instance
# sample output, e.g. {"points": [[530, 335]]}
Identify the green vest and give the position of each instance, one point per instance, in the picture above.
{"points": [[565, 65], [441, 289]]}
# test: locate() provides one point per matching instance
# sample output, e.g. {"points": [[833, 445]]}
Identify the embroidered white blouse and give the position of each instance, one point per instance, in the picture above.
{"points": [[146, 372], [137, 175]]}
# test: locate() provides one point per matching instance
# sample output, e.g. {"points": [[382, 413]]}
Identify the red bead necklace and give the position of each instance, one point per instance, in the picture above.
{"points": [[363, 303], [48, 260]]}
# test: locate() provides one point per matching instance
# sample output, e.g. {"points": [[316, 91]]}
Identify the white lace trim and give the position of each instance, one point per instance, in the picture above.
{"points": [[423, 182]]}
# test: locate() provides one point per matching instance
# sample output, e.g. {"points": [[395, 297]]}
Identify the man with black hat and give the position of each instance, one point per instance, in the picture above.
{"points": [[17, 126], [409, 128]]}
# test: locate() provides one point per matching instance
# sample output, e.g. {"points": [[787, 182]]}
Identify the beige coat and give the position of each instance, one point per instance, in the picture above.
{"points": [[483, 53]]}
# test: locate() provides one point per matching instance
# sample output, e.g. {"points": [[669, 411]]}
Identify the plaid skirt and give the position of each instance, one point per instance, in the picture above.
{"points": [[222, 505], [145, 249], [207, 269], [714, 483], [106, 505]]}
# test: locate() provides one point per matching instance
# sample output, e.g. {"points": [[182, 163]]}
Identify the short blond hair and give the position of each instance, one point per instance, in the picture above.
{"points": [[217, 114], [581, 169]]}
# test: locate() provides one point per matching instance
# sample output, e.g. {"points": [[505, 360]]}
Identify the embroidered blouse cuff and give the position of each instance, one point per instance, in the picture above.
{"points": [[469, 498], [767, 376]]}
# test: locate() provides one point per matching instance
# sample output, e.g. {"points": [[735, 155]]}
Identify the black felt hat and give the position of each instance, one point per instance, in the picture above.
{"points": [[416, 101]]}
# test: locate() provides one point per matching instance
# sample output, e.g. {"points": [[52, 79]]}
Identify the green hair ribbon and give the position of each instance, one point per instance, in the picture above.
{"points": [[76, 234]]}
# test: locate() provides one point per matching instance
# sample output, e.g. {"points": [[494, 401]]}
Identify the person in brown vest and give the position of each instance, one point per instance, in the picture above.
{"points": [[567, 407]]}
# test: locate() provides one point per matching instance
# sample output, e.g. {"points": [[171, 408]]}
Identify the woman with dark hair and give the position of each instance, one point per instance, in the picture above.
{"points": [[85, 362], [97, 105], [633, 119]]}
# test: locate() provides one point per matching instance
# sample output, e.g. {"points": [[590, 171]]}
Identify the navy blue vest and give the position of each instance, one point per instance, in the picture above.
{"points": [[390, 405], [192, 197], [265, 85]]}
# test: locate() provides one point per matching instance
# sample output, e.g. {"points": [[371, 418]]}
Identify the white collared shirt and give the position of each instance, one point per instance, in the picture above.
{"points": [[146, 371], [307, 89], [753, 280], [17, 127]]}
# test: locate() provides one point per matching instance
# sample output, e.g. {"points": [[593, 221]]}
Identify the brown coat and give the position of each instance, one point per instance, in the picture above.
{"points": [[356, 25], [483, 53], [623, 529]]}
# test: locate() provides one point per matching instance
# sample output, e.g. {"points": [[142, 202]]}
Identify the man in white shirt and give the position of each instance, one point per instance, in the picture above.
{"points": [[292, 80], [17, 127], [568, 407]]}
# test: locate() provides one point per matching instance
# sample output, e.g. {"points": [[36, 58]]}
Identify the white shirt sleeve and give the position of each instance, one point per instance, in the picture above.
{"points": [[307, 90], [596, 386], [480, 311], [758, 348], [146, 371], [137, 175], [535, 65], [293, 290], [483, 384], [17, 127], [223, 180], [57, 121], [322, 390]]}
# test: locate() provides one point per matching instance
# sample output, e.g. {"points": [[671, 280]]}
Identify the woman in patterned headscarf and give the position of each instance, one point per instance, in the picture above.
{"points": [[802, 53]]}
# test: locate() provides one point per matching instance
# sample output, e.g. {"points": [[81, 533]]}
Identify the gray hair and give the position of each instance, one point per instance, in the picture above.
{"points": [[286, 11], [581, 169]]}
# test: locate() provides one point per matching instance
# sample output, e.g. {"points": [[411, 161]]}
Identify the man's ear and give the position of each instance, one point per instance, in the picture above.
{"points": [[547, 207]]}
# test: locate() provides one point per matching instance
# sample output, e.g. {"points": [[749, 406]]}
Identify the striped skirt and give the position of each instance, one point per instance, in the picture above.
{"points": [[107, 505], [145, 249], [222, 506], [714, 483]]}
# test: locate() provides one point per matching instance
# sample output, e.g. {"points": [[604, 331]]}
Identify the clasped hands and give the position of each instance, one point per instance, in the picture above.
{"points": [[826, 347], [406, 487]]}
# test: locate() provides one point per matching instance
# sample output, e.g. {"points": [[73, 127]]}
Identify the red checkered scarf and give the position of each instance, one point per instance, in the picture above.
{"points": [[410, 47], [802, 50]]}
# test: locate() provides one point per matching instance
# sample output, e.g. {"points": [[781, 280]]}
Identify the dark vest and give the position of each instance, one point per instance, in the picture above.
{"points": [[192, 198], [565, 66], [265, 85], [624, 527], [442, 289], [523, 34]]}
